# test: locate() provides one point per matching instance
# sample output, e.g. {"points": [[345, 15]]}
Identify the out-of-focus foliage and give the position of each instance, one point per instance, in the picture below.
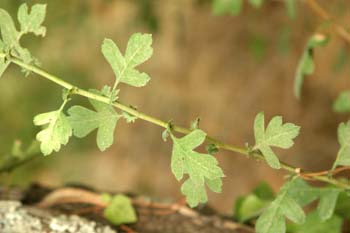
{"points": [[119, 209], [306, 64], [342, 103], [251, 206]]}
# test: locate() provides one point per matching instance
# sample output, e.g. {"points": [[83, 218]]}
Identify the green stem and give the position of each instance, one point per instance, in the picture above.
{"points": [[220, 145]]}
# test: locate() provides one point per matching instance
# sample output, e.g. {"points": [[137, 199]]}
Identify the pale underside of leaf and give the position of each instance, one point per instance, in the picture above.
{"points": [[57, 132]]}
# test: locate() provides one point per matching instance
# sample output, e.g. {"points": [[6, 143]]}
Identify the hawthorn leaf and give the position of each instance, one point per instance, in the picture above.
{"points": [[57, 132], [232, 7], [313, 224], [104, 119], [276, 134], [119, 209], [31, 21], [201, 168], [9, 32], [139, 49], [343, 156], [306, 64], [256, 3], [342, 103]]}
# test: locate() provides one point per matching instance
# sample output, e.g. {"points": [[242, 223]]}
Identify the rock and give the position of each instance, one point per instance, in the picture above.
{"points": [[16, 218]]}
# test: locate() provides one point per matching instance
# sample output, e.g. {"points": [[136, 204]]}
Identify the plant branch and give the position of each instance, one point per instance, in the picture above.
{"points": [[220, 145], [323, 14]]}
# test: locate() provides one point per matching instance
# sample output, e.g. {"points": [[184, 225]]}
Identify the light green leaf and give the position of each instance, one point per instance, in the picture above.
{"points": [[256, 3], [343, 156], [57, 132], [313, 224], [232, 7], [139, 49], [104, 119], [9, 32], [291, 7], [119, 210], [31, 22], [277, 134], [11, 37], [306, 64], [201, 168], [342, 103]]}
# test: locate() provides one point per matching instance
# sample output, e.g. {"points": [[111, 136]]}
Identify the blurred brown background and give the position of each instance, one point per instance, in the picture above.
{"points": [[224, 69]]}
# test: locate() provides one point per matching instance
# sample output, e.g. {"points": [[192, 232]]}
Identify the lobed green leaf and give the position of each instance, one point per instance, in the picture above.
{"points": [[9, 32], [57, 132], [10, 37], [201, 168], [276, 134], [139, 49], [104, 119], [31, 21]]}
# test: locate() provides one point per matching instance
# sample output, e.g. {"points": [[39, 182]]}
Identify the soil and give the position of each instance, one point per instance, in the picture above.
{"points": [[153, 217]]}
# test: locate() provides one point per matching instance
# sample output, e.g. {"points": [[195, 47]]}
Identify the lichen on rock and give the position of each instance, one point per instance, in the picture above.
{"points": [[15, 218]]}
